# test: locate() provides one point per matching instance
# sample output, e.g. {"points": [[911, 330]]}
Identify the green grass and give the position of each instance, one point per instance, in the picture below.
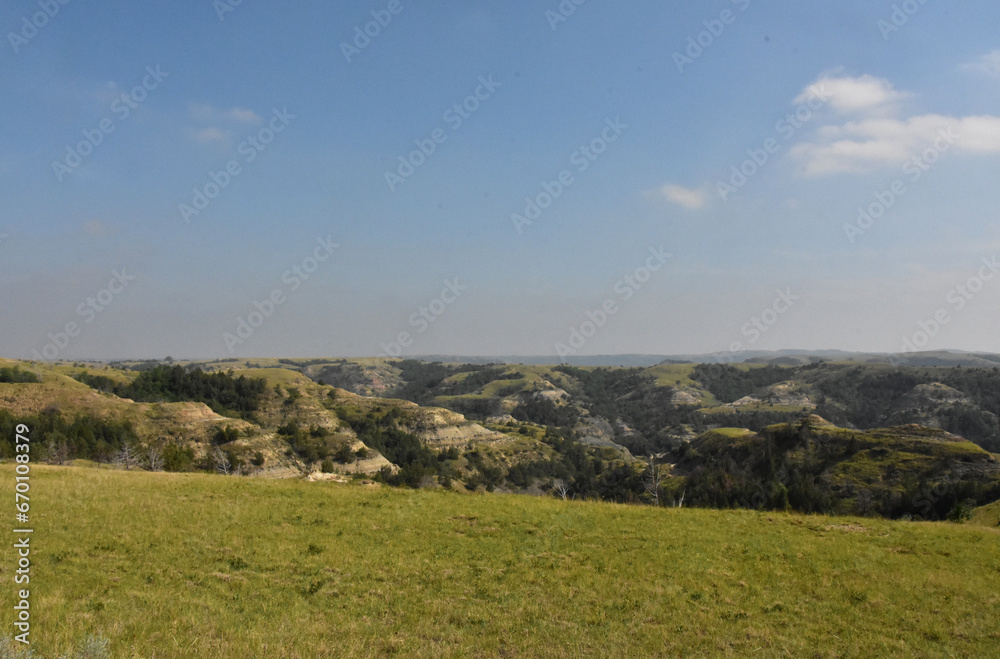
{"points": [[730, 433], [494, 387], [185, 565], [988, 516], [751, 407]]}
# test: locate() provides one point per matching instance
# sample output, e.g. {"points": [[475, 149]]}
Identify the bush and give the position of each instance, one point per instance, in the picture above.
{"points": [[225, 435], [327, 466], [99, 382], [178, 458], [962, 512], [16, 376], [344, 454]]}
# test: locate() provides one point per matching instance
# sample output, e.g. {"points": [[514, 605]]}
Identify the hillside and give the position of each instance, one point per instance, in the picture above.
{"points": [[813, 466], [988, 516], [752, 436], [652, 409], [273, 422], [191, 565]]}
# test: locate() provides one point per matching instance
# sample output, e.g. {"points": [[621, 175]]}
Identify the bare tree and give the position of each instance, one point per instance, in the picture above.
{"points": [[155, 459], [59, 454], [680, 503], [222, 463], [127, 457], [653, 480], [561, 488]]}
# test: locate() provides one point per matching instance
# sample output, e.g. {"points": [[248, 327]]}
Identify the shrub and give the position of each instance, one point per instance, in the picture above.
{"points": [[177, 458], [344, 454], [962, 512], [225, 435], [16, 376]]}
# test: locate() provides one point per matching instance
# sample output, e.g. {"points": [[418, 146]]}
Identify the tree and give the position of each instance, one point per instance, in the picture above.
{"points": [[221, 459], [127, 456], [653, 479], [154, 457], [561, 488], [59, 449], [177, 458], [344, 454]]}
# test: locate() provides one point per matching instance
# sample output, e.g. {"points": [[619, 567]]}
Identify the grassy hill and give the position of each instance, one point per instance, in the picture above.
{"points": [[189, 565], [265, 420], [663, 405], [988, 515], [813, 466], [535, 429]]}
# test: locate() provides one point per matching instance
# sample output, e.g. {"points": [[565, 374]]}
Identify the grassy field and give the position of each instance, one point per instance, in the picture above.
{"points": [[988, 516], [184, 565]]}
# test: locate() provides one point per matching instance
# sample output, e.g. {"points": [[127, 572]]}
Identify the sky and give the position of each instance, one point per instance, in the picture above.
{"points": [[221, 179]]}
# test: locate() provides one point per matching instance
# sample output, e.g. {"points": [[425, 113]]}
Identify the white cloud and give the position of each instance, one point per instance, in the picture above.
{"points": [[878, 137], [211, 134], [866, 94], [690, 198], [988, 64], [220, 122], [244, 116]]}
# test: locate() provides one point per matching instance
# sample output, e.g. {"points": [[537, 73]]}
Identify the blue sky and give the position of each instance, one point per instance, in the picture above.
{"points": [[641, 121]]}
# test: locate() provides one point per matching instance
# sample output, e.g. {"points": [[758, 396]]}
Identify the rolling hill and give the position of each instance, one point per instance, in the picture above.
{"points": [[804, 438], [187, 565]]}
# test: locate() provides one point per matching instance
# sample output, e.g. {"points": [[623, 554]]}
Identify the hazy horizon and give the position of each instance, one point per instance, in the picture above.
{"points": [[234, 180]]}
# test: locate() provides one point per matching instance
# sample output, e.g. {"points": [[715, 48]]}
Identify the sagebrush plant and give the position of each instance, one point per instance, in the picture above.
{"points": [[91, 647], [11, 649]]}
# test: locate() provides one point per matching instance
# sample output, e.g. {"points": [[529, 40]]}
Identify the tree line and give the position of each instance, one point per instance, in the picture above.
{"points": [[224, 394]]}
